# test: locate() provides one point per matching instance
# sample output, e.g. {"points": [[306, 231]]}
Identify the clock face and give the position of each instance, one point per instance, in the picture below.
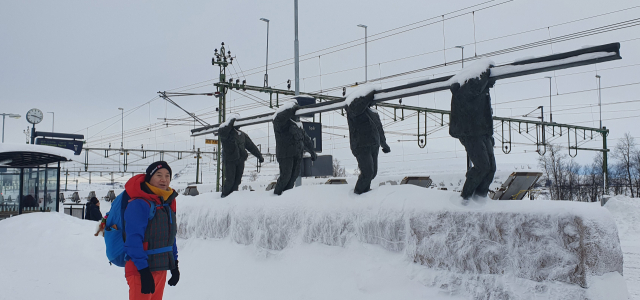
{"points": [[34, 116]]}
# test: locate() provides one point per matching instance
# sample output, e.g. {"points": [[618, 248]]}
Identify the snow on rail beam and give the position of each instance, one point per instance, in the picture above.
{"points": [[553, 249], [581, 57]]}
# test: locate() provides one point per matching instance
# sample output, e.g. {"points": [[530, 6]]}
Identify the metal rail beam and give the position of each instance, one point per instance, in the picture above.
{"points": [[585, 56]]}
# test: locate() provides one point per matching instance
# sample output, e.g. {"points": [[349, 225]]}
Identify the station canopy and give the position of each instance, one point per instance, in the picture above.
{"points": [[25, 155]]}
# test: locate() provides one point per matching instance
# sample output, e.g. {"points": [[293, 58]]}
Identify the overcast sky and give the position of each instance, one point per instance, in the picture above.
{"points": [[84, 59]]}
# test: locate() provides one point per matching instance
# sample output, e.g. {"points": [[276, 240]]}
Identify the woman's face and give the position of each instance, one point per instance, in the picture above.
{"points": [[161, 179]]}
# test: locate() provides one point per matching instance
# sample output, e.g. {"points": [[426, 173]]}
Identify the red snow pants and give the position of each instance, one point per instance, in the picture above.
{"points": [[159, 277]]}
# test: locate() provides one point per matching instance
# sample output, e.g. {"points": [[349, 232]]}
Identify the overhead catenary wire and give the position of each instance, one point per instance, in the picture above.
{"points": [[209, 81]]}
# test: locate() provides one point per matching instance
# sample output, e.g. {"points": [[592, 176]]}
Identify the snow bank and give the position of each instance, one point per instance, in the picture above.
{"points": [[55, 256], [626, 213], [516, 249]]}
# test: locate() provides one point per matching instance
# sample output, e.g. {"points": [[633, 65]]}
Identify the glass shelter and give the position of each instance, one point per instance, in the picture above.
{"points": [[30, 178]]}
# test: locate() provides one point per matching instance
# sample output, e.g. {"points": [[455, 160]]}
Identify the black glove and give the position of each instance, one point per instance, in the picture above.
{"points": [[147, 285], [175, 276], [386, 149], [314, 156], [261, 159]]}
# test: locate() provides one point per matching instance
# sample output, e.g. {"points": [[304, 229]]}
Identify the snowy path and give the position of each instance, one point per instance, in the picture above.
{"points": [[631, 252], [626, 213]]}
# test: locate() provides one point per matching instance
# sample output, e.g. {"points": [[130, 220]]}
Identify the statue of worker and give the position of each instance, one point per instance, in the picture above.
{"points": [[365, 136], [291, 142], [472, 123], [235, 145]]}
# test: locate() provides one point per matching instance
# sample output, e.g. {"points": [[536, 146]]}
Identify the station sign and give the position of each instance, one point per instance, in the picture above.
{"points": [[314, 131], [211, 142], [74, 145]]}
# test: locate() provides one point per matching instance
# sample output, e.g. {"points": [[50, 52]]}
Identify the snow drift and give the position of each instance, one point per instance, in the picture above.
{"points": [[516, 249]]}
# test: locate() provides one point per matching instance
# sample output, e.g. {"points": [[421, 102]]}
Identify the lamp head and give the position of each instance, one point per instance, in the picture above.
{"points": [[461, 47], [15, 116], [598, 76], [265, 20], [363, 26]]}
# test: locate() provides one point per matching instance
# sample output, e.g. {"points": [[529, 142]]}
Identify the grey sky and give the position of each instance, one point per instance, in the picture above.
{"points": [[84, 59]]}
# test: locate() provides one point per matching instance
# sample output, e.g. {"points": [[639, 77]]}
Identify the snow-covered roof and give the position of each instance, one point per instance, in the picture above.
{"points": [[48, 154]]}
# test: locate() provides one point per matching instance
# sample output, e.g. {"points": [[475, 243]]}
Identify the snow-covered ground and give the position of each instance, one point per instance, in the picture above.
{"points": [[51, 255], [626, 213]]}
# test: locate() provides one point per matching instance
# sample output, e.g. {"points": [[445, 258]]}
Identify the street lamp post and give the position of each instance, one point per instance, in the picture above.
{"points": [[296, 52], [15, 116], [550, 108], [122, 128], [365, 51], [599, 100], [266, 73], [462, 60], [469, 163], [53, 120]]}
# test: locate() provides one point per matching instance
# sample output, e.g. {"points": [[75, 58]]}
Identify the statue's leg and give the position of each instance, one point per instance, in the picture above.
{"points": [[483, 188], [477, 152], [374, 156], [366, 166], [238, 178], [295, 172], [229, 178], [286, 165]]}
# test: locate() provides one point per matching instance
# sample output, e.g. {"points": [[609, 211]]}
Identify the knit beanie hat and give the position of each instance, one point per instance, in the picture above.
{"points": [[155, 167]]}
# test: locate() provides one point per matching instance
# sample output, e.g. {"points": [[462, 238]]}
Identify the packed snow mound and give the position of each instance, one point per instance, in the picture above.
{"points": [[511, 248], [626, 212], [55, 256]]}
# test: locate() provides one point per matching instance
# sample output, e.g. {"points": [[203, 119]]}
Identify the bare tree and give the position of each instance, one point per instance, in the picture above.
{"points": [[338, 171], [624, 152], [636, 169], [594, 179], [553, 163]]}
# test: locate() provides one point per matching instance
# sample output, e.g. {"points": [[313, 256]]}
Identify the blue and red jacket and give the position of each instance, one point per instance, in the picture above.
{"points": [[143, 234]]}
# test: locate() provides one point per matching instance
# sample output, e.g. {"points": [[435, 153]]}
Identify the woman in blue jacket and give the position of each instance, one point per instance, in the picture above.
{"points": [[151, 243]]}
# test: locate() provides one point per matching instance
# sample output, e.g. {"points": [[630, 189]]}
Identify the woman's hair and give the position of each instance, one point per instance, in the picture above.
{"points": [[94, 200]]}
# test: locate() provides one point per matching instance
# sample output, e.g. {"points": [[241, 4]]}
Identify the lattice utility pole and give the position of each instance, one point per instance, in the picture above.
{"points": [[223, 60]]}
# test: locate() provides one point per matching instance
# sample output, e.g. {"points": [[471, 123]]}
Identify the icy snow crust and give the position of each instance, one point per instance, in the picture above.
{"points": [[356, 249], [503, 249]]}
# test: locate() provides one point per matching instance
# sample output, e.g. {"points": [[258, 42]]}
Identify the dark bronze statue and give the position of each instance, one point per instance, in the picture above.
{"points": [[365, 137], [472, 123], [291, 142], [235, 144]]}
